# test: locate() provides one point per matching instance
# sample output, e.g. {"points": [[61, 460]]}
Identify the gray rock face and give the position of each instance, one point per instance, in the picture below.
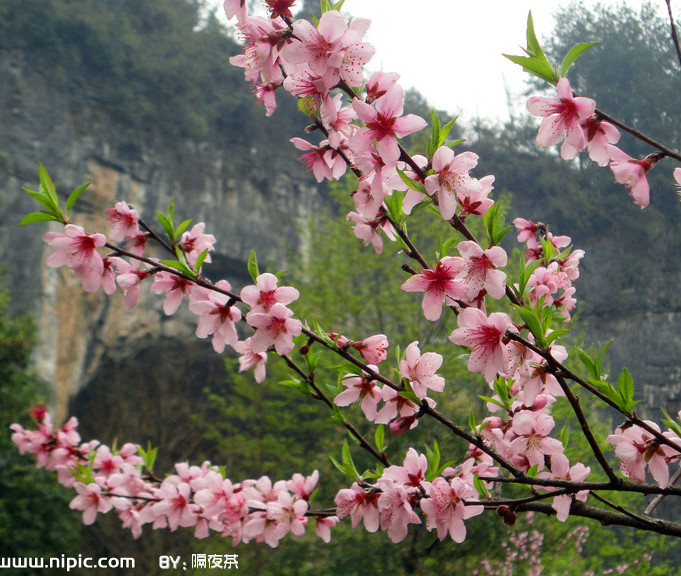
{"points": [[65, 132]]}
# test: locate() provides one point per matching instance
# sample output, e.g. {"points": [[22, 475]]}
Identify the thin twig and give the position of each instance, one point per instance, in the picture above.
{"points": [[675, 37], [586, 430], [319, 395], [655, 502]]}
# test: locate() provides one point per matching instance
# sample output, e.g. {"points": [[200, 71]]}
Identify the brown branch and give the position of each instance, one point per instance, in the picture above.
{"points": [[319, 395], [586, 430]]}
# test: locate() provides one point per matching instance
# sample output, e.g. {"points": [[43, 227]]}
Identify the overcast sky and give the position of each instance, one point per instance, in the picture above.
{"points": [[451, 50]]}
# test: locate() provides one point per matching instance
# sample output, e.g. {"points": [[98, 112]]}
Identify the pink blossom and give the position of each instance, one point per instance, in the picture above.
{"points": [[363, 389], [560, 469], [265, 94], [373, 348], [379, 83], [355, 53], [337, 119], [323, 525], [90, 500], [304, 84], [486, 337], [395, 405], [481, 273], [266, 293], [278, 518], [129, 514], [360, 505], [420, 370], [396, 510], [562, 117], [533, 442], [217, 316], [476, 201], [303, 486], [175, 287], [321, 47], [78, 251], [384, 122], [440, 285], [235, 8], [633, 174], [274, 328], [128, 280], [413, 471], [635, 448], [195, 241], [600, 135], [250, 359], [445, 510], [280, 8], [176, 504], [527, 230], [322, 161], [263, 39], [366, 229], [451, 178], [125, 222]]}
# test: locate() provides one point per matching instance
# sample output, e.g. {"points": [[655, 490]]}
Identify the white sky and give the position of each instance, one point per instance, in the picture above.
{"points": [[451, 50]]}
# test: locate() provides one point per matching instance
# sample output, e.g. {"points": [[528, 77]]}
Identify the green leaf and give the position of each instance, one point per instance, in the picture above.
{"points": [[575, 52], [413, 184], [148, 456], [347, 461], [454, 143], [180, 267], [199, 261], [379, 438], [182, 227], [301, 385], [42, 216], [253, 269], [625, 387], [606, 388], [492, 400], [433, 458], [673, 426], [338, 5], [47, 185], [588, 363], [530, 318], [394, 205], [434, 141], [535, 62], [71, 200], [480, 487], [43, 198]]}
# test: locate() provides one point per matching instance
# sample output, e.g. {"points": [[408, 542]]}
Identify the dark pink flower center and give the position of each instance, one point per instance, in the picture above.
{"points": [[267, 299], [487, 337], [439, 278], [382, 126]]}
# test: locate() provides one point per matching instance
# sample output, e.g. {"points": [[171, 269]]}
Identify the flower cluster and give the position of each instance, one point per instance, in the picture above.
{"points": [[198, 497], [400, 412], [393, 500], [214, 305], [576, 119]]}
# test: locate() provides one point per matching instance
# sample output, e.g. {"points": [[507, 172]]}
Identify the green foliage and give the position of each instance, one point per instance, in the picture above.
{"points": [[35, 519]]}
